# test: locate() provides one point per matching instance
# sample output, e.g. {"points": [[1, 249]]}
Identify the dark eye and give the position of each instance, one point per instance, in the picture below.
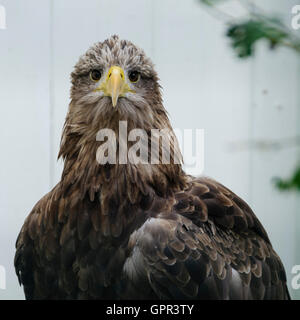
{"points": [[95, 75], [134, 76]]}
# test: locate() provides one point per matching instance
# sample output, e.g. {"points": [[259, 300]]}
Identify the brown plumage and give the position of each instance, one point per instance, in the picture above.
{"points": [[107, 230]]}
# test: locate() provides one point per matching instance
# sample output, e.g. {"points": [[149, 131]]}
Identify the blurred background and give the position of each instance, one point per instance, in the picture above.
{"points": [[229, 67]]}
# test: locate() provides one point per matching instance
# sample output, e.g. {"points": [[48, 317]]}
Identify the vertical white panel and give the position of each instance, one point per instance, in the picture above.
{"points": [[76, 26], [205, 86], [297, 201], [24, 130], [275, 117]]}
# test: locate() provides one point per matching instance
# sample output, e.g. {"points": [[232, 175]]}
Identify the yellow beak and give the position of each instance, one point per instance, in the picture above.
{"points": [[114, 85]]}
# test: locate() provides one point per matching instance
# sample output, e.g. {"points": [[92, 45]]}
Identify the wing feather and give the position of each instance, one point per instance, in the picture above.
{"points": [[211, 246]]}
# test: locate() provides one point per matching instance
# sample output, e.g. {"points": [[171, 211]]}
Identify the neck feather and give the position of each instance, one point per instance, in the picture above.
{"points": [[84, 175]]}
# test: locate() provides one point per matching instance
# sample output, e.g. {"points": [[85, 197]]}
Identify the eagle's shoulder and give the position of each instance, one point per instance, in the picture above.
{"points": [[37, 235], [209, 245], [206, 199]]}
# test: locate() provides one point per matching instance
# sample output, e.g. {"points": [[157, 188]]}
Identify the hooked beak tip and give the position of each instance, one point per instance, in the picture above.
{"points": [[114, 101]]}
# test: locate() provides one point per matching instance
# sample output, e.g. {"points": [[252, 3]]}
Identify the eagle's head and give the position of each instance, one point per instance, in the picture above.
{"points": [[115, 79], [115, 82]]}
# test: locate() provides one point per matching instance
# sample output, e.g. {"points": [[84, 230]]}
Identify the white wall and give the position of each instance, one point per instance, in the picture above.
{"points": [[25, 125], [205, 86], [275, 115]]}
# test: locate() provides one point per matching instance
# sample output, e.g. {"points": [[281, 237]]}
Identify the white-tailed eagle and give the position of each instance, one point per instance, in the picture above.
{"points": [[137, 230]]}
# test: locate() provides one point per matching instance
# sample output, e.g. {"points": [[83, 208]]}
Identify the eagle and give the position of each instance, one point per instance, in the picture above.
{"points": [[136, 229]]}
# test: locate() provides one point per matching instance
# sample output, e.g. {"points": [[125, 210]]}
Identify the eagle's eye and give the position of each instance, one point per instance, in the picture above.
{"points": [[95, 75], [134, 76]]}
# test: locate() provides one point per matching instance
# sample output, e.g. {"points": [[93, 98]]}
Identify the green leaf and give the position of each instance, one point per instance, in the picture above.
{"points": [[289, 184], [245, 35]]}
